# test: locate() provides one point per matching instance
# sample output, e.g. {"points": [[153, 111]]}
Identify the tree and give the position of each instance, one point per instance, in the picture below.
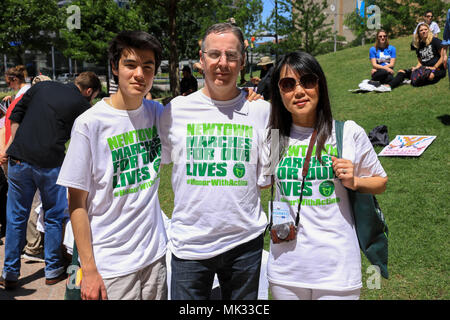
{"points": [[301, 24], [27, 24], [397, 17], [180, 24], [100, 21]]}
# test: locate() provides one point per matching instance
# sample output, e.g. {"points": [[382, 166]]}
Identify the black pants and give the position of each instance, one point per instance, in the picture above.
{"points": [[438, 75], [382, 76]]}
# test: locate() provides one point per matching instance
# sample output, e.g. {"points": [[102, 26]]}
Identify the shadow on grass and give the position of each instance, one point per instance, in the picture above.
{"points": [[445, 119]]}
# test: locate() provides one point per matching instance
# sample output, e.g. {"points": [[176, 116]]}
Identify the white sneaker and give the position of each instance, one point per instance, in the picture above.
{"points": [[406, 81], [383, 88]]}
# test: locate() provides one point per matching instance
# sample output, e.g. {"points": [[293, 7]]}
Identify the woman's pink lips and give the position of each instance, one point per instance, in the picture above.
{"points": [[301, 102]]}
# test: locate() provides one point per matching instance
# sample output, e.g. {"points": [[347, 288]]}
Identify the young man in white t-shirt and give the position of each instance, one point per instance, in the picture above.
{"points": [[214, 137], [112, 172]]}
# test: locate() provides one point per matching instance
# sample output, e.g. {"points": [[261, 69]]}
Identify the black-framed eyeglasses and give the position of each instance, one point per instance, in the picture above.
{"points": [[307, 81], [215, 54]]}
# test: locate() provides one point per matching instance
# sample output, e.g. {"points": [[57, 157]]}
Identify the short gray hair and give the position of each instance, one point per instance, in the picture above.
{"points": [[224, 28]]}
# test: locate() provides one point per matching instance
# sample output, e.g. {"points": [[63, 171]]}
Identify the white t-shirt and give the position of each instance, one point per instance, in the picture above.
{"points": [[22, 90], [115, 156], [216, 150], [326, 253], [434, 28]]}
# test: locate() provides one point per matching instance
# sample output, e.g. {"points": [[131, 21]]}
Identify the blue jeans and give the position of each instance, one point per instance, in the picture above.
{"points": [[237, 270], [448, 65], [24, 179]]}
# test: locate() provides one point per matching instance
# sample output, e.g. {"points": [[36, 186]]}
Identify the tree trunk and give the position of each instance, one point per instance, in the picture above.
{"points": [[174, 72]]}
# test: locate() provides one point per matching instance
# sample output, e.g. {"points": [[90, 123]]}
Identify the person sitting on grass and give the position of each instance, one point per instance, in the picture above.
{"points": [[430, 54], [382, 57]]}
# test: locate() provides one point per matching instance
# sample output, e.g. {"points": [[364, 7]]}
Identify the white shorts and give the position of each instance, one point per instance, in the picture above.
{"points": [[281, 292]]}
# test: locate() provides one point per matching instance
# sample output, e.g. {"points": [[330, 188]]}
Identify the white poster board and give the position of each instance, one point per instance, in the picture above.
{"points": [[407, 146]]}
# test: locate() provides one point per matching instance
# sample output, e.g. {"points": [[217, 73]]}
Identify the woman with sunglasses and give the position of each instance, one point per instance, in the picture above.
{"points": [[322, 261], [382, 57]]}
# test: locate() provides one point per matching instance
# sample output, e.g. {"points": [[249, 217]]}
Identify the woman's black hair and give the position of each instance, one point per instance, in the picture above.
{"points": [[301, 63], [133, 40]]}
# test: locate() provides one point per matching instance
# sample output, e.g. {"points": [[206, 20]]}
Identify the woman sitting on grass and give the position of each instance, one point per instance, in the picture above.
{"points": [[430, 55], [382, 56], [322, 260]]}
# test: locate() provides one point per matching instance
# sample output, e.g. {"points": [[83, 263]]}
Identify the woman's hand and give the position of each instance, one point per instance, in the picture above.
{"points": [[252, 95], [343, 170], [7, 98], [389, 70]]}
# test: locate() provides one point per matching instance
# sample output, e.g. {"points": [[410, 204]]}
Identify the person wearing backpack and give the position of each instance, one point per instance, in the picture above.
{"points": [[319, 257]]}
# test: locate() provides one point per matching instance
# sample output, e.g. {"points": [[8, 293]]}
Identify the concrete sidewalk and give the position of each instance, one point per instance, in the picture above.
{"points": [[31, 283]]}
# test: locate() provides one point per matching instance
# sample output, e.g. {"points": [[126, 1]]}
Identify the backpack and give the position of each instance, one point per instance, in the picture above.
{"points": [[379, 136], [419, 76]]}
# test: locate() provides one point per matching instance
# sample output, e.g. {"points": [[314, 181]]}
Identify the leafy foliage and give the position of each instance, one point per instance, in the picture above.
{"points": [[398, 17], [28, 24], [301, 25], [101, 20]]}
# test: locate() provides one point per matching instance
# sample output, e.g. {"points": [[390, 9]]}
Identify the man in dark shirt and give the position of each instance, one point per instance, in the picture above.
{"points": [[40, 126], [188, 82], [263, 88]]}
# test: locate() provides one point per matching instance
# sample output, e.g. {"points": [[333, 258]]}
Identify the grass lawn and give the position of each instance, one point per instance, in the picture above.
{"points": [[417, 198]]}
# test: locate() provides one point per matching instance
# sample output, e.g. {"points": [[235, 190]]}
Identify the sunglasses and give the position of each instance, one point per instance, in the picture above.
{"points": [[429, 16], [381, 37], [307, 81]]}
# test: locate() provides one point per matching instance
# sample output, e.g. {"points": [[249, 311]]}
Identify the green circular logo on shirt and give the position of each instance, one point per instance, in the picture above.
{"points": [[156, 164], [326, 188], [239, 170]]}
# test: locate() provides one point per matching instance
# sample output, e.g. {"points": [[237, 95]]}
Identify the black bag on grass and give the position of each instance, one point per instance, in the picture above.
{"points": [[379, 136]]}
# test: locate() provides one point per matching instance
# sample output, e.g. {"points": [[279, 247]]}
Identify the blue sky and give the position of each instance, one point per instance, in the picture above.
{"points": [[268, 6]]}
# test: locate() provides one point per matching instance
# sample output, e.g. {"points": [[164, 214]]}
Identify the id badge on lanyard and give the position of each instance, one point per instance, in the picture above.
{"points": [[281, 213]]}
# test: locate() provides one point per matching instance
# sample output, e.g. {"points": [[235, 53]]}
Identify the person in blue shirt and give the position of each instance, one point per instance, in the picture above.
{"points": [[382, 57]]}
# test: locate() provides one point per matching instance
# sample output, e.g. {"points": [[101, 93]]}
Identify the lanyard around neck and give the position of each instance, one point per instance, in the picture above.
{"points": [[305, 170]]}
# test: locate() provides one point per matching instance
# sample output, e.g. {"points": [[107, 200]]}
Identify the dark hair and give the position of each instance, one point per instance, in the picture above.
{"points": [[133, 40], [88, 79], [281, 119], [19, 72], [226, 27]]}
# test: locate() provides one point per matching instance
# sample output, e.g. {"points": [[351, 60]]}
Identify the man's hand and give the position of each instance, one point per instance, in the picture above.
{"points": [[92, 286]]}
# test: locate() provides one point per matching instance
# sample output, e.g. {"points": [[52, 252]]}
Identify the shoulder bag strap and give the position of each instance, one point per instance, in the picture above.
{"points": [[339, 132]]}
